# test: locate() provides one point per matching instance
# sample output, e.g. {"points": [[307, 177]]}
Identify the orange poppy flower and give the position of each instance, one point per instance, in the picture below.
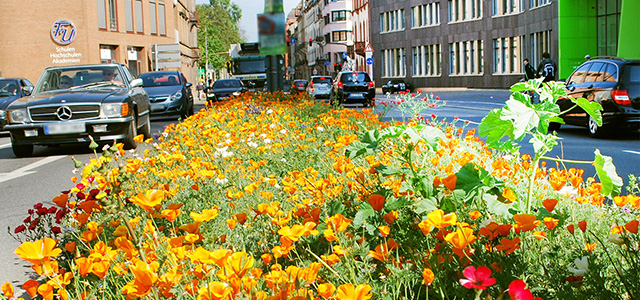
{"points": [[525, 222], [338, 222], [590, 247], [384, 230], [550, 222], [31, 286], [376, 201], [326, 290], [349, 292], [539, 234], [390, 217], [46, 291], [461, 238], [215, 291], [632, 226], [508, 245], [37, 251], [148, 200], [428, 276], [474, 215], [549, 204], [438, 219], [7, 290], [509, 195], [571, 228], [61, 200], [582, 225], [450, 181], [206, 215]]}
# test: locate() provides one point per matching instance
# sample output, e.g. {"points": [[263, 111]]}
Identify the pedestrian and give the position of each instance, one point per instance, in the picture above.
{"points": [[529, 71], [547, 68], [199, 89], [587, 57]]}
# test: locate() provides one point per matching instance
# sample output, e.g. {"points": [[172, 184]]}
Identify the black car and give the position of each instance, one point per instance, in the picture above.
{"points": [[71, 104], [353, 86], [169, 93], [612, 82], [223, 89], [299, 86], [395, 85], [12, 89]]}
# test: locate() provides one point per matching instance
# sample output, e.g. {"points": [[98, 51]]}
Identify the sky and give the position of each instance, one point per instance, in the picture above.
{"points": [[250, 10]]}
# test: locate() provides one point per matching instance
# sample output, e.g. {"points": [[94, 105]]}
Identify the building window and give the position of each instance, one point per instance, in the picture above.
{"points": [[466, 58], [102, 14], [153, 16], [608, 20], [392, 21], [128, 13], [536, 3], [393, 63], [108, 53], [540, 42], [507, 53], [427, 60], [507, 7], [139, 20], [463, 10], [339, 36], [113, 15], [338, 16], [425, 15], [161, 18]]}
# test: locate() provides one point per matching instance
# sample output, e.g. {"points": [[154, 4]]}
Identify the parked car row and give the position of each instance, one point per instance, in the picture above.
{"points": [[99, 102]]}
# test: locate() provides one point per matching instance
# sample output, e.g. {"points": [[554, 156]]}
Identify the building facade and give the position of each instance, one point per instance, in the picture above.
{"points": [[361, 34], [38, 34], [482, 43]]}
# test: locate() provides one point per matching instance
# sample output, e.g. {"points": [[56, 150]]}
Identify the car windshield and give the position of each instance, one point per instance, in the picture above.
{"points": [[221, 84], [356, 77], [160, 79], [8, 87], [85, 77]]}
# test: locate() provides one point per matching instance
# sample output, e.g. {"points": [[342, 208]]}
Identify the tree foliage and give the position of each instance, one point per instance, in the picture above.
{"points": [[218, 29]]}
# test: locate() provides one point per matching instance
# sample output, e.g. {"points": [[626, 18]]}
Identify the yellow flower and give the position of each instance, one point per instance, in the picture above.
{"points": [[37, 251], [349, 292], [149, 199]]}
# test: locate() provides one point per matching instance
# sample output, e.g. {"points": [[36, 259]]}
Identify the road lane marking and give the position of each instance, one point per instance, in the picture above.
{"points": [[26, 169], [632, 152]]}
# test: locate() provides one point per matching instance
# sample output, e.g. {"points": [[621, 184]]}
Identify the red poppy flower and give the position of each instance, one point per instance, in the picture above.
{"points": [[477, 278], [518, 291]]}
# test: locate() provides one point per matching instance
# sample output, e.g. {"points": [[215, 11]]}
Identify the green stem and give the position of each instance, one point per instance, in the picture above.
{"points": [[326, 265], [586, 162], [532, 178], [616, 269]]}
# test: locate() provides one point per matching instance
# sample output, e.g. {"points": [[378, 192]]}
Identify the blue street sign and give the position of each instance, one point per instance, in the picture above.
{"points": [[369, 61], [292, 41], [326, 63], [344, 55]]}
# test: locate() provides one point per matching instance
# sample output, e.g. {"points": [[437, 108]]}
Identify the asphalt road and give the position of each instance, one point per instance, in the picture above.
{"points": [[27, 181]]}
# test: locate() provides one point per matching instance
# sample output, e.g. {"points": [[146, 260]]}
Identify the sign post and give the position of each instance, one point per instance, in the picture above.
{"points": [[368, 52], [273, 44]]}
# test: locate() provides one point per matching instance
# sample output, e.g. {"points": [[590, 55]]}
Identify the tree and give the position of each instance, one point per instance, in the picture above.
{"points": [[218, 29]]}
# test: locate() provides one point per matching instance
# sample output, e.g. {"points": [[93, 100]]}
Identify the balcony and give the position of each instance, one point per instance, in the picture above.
{"points": [[359, 47]]}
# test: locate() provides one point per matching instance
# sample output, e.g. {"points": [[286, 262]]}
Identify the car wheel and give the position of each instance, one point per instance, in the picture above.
{"points": [[146, 129], [595, 130], [22, 150], [553, 126], [129, 143]]}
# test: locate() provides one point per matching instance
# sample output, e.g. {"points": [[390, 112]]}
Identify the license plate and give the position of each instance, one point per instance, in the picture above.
{"points": [[157, 107], [76, 127], [357, 95]]}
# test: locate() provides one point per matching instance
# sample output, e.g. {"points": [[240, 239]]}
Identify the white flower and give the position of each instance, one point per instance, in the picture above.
{"points": [[253, 144], [165, 134], [283, 160], [582, 265], [270, 111], [320, 128], [267, 141], [277, 186], [264, 135], [228, 135], [220, 181], [283, 131], [273, 126], [616, 239], [568, 191]]}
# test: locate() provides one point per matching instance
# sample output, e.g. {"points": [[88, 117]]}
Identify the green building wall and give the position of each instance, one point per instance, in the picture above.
{"points": [[577, 34], [629, 34]]}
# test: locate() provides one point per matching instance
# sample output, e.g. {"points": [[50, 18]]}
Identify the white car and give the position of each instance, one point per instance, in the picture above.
{"points": [[319, 87]]}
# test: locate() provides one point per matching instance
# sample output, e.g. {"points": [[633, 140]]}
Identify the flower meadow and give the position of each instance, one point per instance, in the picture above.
{"points": [[274, 196]]}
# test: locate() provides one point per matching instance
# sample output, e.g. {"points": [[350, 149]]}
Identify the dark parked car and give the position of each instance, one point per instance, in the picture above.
{"points": [[612, 82], [299, 86], [395, 85], [12, 89], [70, 104], [354, 86], [320, 86], [169, 93], [223, 89]]}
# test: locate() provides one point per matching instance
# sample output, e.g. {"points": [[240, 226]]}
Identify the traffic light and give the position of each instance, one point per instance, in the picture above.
{"points": [[228, 65], [310, 42]]}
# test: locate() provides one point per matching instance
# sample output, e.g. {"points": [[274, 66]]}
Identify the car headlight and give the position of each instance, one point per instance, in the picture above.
{"points": [[236, 93], [2, 114], [177, 95], [18, 116], [115, 110]]}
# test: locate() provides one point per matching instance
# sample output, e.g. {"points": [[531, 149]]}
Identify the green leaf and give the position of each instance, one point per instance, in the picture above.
{"points": [[591, 107], [469, 178], [425, 205], [519, 87], [362, 215], [611, 182], [494, 128], [431, 135], [389, 170], [543, 143], [397, 203], [496, 207], [506, 146], [523, 117]]}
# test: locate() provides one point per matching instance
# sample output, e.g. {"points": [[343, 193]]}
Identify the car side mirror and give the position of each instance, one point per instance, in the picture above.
{"points": [[27, 90], [136, 83], [188, 84]]}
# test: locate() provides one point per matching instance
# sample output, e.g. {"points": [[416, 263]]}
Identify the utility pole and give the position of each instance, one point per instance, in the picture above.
{"points": [[272, 42]]}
